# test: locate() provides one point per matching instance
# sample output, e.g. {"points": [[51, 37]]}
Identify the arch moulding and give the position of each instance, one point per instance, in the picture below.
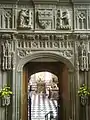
{"points": [[46, 56]]}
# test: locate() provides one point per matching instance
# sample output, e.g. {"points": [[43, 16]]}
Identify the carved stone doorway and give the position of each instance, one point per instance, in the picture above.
{"points": [[61, 71]]}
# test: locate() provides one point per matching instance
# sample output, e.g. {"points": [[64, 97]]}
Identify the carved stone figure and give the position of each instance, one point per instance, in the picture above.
{"points": [[63, 20], [24, 21]]}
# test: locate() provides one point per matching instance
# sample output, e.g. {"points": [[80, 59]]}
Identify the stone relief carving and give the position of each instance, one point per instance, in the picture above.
{"points": [[83, 56], [23, 53], [82, 19], [43, 36], [63, 20], [44, 19], [7, 56], [44, 41], [6, 18], [6, 36], [83, 37], [25, 19], [29, 43], [39, 42]]}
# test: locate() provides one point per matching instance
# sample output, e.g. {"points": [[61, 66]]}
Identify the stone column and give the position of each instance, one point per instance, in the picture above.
{"points": [[18, 97]]}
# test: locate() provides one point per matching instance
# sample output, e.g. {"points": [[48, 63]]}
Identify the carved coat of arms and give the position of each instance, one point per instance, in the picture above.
{"points": [[44, 18]]}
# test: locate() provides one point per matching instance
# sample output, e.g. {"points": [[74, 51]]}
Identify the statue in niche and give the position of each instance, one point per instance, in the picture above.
{"points": [[65, 20], [24, 21]]}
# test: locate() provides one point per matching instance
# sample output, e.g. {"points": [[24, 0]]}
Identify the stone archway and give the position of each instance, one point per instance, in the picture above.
{"points": [[59, 66]]}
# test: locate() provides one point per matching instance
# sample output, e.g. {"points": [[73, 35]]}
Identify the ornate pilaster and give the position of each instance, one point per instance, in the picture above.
{"points": [[83, 55], [76, 81], [7, 56], [71, 85]]}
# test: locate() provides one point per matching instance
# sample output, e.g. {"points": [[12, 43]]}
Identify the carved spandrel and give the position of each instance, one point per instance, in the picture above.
{"points": [[25, 19], [63, 20]]}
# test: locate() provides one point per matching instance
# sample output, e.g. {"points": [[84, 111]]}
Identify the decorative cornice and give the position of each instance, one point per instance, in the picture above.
{"points": [[45, 1], [43, 36]]}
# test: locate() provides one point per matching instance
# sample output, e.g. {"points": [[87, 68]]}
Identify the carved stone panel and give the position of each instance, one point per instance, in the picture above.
{"points": [[63, 20], [81, 19], [44, 19], [83, 56], [7, 18], [25, 19], [45, 42]]}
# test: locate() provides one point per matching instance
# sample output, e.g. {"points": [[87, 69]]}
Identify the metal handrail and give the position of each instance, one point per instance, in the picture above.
{"points": [[51, 115]]}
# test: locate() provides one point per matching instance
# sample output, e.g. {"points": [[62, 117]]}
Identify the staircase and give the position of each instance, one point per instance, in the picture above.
{"points": [[41, 105]]}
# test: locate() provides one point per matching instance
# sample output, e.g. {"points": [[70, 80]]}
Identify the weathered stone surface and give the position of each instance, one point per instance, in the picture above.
{"points": [[44, 30]]}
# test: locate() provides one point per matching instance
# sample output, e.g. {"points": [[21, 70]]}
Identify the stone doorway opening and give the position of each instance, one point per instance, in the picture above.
{"points": [[58, 69], [43, 94]]}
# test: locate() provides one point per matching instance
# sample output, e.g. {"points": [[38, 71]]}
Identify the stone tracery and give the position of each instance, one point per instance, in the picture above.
{"points": [[83, 56], [7, 56]]}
